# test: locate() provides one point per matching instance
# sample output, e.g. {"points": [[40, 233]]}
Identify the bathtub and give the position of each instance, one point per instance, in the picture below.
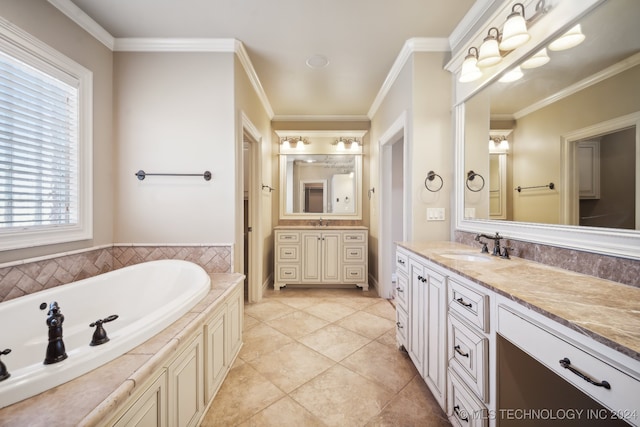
{"points": [[147, 298]]}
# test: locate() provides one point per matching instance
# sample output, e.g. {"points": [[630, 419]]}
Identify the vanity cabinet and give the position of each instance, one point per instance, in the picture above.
{"points": [[317, 256], [425, 312], [186, 385]]}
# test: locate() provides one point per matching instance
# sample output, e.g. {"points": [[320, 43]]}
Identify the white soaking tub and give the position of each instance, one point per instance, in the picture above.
{"points": [[146, 297]]}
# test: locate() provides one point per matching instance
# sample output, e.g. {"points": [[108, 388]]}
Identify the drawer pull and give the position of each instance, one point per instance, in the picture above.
{"points": [[287, 273], [456, 409], [287, 237], [466, 304], [399, 325], [566, 363], [288, 253], [400, 261], [354, 273], [354, 253], [399, 289], [422, 279], [457, 349]]}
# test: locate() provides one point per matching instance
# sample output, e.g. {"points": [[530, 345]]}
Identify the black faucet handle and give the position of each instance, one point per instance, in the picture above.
{"points": [[105, 320], [505, 252], [5, 351]]}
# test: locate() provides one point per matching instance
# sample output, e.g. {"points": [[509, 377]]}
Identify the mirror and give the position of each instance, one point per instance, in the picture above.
{"points": [[573, 155], [320, 185]]}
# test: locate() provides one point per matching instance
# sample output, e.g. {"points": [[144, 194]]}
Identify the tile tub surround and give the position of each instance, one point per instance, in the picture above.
{"points": [[604, 310], [90, 398], [22, 278], [616, 269]]}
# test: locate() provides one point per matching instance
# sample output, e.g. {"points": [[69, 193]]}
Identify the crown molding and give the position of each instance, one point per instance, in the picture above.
{"points": [[84, 21], [144, 44], [411, 46], [608, 72], [320, 118], [244, 59]]}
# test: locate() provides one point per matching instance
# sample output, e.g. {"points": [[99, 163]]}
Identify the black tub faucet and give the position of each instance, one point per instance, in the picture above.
{"points": [[4, 374], [55, 349], [100, 335]]}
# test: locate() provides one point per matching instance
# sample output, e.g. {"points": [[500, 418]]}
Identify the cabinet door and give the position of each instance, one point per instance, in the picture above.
{"points": [[186, 386], [216, 361], [435, 360], [150, 409], [417, 315], [331, 264], [235, 318], [311, 243]]}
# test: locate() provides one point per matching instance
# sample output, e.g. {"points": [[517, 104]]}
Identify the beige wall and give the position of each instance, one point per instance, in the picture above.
{"points": [[536, 149], [422, 90], [248, 103], [174, 113], [47, 24]]}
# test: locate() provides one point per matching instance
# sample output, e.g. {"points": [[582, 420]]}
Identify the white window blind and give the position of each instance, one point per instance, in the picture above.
{"points": [[38, 148]]}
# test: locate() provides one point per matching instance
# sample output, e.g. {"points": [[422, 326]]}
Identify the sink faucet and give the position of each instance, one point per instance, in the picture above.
{"points": [[496, 248], [55, 349]]}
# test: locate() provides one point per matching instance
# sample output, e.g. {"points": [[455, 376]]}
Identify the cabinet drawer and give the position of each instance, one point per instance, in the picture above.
{"points": [[463, 408], [354, 236], [287, 273], [288, 253], [290, 237], [551, 350], [354, 273], [353, 253], [402, 290], [402, 262], [401, 326], [468, 356], [469, 303]]}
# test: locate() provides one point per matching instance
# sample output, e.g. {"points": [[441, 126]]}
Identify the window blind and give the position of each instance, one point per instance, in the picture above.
{"points": [[38, 148]]}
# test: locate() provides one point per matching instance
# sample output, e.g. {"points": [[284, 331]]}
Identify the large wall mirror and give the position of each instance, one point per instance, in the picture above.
{"points": [[567, 136], [321, 178]]}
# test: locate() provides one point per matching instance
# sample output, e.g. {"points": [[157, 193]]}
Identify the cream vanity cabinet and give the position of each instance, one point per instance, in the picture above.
{"points": [[320, 255], [423, 333], [178, 393]]}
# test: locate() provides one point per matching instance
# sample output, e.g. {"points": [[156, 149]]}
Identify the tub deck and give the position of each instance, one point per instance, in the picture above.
{"points": [[92, 397]]}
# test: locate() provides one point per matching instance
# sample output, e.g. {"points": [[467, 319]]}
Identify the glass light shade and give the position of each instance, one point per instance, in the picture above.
{"points": [[354, 146], [300, 144], [489, 52], [512, 76], [286, 144], [537, 60], [470, 70], [514, 33], [341, 145], [571, 38]]}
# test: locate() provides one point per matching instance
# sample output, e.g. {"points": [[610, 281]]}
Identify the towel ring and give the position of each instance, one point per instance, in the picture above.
{"points": [[470, 177], [430, 177]]}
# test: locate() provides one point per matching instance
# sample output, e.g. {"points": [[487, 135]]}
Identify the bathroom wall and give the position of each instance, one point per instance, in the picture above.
{"points": [[422, 90], [47, 24]]}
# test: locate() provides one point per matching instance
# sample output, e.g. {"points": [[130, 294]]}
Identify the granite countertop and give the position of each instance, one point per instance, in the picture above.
{"points": [[93, 397], [607, 311]]}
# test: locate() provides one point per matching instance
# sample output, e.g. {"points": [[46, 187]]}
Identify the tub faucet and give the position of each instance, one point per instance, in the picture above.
{"points": [[55, 348], [4, 374], [100, 335]]}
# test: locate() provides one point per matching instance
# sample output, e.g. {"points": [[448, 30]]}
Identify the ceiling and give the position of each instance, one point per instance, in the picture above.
{"points": [[360, 38]]}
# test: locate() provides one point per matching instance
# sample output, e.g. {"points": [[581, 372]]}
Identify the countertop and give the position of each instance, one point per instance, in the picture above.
{"points": [[320, 227], [96, 395], [608, 312]]}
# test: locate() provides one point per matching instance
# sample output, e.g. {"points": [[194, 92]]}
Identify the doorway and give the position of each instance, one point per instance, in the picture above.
{"points": [[394, 202]]}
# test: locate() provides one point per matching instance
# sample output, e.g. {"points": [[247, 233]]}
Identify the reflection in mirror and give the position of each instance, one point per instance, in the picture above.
{"points": [[320, 183], [573, 123]]}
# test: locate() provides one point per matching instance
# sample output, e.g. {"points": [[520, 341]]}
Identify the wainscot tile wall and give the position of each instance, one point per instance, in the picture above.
{"points": [[620, 270], [18, 279]]}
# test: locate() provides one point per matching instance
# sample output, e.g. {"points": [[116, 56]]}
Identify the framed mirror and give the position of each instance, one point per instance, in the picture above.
{"points": [[321, 179], [573, 159]]}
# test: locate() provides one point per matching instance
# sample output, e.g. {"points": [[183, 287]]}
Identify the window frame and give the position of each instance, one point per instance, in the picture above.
{"points": [[26, 48]]}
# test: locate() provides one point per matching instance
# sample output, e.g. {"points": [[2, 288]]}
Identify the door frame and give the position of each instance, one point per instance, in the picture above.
{"points": [[396, 132]]}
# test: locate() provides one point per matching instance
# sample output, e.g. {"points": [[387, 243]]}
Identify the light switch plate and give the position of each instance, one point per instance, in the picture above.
{"points": [[470, 213], [435, 214]]}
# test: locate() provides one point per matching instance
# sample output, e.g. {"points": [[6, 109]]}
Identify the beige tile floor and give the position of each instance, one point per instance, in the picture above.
{"points": [[322, 357]]}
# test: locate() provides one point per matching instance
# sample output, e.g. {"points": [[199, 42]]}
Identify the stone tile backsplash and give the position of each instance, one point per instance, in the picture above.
{"points": [[620, 270], [22, 279]]}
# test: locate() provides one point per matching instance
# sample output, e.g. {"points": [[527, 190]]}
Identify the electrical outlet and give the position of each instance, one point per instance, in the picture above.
{"points": [[435, 214]]}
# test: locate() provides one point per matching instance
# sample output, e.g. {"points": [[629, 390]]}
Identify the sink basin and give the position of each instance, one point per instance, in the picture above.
{"points": [[467, 257]]}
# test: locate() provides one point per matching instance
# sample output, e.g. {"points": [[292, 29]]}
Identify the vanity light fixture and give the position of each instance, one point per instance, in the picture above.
{"points": [[470, 70], [537, 60], [511, 76], [291, 142], [342, 143], [489, 50], [571, 38], [514, 32], [498, 144]]}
